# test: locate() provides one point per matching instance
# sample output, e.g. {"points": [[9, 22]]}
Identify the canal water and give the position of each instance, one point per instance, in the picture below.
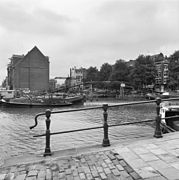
{"points": [[17, 138]]}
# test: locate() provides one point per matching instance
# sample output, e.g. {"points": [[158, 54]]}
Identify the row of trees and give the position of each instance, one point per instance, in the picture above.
{"points": [[138, 73]]}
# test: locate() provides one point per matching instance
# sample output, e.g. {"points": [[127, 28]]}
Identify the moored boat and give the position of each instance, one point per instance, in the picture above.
{"points": [[78, 99], [169, 109], [152, 96], [32, 102], [43, 101]]}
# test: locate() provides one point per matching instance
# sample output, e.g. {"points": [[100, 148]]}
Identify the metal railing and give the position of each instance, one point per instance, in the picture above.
{"points": [[106, 142]]}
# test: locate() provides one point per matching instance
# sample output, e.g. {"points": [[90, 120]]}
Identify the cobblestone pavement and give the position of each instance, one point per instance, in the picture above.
{"points": [[151, 159], [97, 165]]}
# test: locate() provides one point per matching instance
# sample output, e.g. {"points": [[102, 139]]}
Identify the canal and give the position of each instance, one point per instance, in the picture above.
{"points": [[17, 138]]}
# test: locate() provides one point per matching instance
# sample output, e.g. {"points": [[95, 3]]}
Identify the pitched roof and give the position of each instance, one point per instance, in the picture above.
{"points": [[35, 49], [22, 57]]}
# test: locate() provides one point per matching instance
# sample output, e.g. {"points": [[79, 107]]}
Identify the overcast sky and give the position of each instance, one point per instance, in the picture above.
{"points": [[86, 33]]}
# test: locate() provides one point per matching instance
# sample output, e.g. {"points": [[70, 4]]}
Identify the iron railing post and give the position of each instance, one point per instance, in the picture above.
{"points": [[105, 126], [158, 131], [47, 148]]}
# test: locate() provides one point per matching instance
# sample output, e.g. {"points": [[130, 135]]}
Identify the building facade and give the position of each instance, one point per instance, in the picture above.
{"points": [[161, 64], [30, 71], [77, 76], [52, 85]]}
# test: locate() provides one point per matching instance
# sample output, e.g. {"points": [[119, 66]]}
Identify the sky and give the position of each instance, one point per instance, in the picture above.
{"points": [[86, 33]]}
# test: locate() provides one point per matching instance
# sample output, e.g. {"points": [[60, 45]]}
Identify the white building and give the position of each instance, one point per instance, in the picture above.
{"points": [[77, 76]]}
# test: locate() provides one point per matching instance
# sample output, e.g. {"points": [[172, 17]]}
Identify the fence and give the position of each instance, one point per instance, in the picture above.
{"points": [[105, 126]]}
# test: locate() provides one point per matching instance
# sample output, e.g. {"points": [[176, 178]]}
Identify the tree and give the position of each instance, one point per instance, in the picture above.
{"points": [[173, 71], [144, 72], [91, 74], [119, 74], [105, 72], [119, 71]]}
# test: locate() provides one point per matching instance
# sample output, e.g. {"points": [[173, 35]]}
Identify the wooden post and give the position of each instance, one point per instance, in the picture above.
{"points": [[105, 126], [47, 148], [158, 131]]}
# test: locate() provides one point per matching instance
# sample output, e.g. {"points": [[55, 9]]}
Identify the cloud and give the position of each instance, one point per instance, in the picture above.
{"points": [[115, 27], [88, 32], [17, 19]]}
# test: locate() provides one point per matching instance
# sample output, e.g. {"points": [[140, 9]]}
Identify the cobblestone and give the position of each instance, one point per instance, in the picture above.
{"points": [[154, 159], [98, 165], [107, 170]]}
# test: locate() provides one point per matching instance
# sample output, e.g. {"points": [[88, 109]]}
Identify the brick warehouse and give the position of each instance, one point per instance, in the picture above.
{"points": [[30, 71]]}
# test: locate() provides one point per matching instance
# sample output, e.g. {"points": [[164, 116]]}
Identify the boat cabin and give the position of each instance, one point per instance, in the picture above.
{"points": [[169, 109], [7, 94]]}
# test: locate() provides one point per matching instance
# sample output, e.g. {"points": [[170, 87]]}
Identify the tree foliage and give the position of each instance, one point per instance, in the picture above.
{"points": [[173, 81], [92, 74], [144, 72], [119, 71], [138, 75], [105, 72]]}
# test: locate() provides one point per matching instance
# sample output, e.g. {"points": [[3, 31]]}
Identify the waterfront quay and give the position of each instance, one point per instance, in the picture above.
{"points": [[139, 158], [141, 152]]}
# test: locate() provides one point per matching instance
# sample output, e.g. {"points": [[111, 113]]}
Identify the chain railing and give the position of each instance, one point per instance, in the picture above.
{"points": [[105, 126]]}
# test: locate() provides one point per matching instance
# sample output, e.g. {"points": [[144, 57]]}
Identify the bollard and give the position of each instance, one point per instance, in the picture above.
{"points": [[158, 131], [105, 126], [47, 148]]}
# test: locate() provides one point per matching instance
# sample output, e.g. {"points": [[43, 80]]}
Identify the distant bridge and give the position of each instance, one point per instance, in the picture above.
{"points": [[90, 83]]}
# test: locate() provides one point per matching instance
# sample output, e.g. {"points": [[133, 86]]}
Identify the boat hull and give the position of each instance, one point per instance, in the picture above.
{"points": [[76, 99], [42, 102], [13, 104], [172, 122]]}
